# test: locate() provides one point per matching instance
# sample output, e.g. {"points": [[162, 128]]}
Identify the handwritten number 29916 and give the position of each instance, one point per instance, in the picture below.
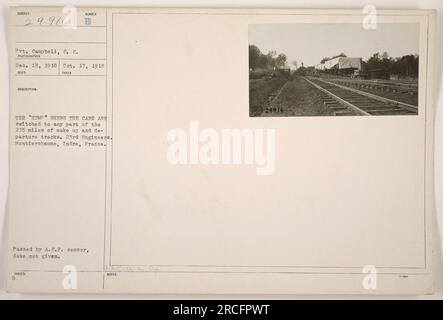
{"points": [[45, 21]]}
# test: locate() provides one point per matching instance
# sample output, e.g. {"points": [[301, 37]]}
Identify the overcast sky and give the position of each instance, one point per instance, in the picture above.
{"points": [[309, 43]]}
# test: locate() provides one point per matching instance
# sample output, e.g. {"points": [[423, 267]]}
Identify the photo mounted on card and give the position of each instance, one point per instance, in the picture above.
{"points": [[221, 151]]}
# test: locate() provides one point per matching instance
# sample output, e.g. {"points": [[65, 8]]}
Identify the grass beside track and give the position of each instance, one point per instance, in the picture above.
{"points": [[297, 98], [259, 91]]}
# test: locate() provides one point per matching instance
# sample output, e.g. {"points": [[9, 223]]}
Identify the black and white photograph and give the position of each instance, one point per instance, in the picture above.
{"points": [[337, 69]]}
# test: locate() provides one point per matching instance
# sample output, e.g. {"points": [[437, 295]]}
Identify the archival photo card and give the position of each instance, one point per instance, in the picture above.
{"points": [[152, 152]]}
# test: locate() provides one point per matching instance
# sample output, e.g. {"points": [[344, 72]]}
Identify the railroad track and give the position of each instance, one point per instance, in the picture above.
{"points": [[345, 101], [385, 83], [377, 85]]}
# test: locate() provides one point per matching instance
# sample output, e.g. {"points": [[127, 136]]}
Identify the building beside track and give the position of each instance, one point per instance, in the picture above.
{"points": [[345, 65]]}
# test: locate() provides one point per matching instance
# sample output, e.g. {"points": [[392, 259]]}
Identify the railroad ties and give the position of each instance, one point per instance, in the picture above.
{"points": [[335, 106], [345, 101]]}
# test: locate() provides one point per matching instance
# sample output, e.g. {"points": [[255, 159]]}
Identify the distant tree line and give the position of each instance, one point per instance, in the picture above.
{"points": [[271, 60], [406, 66]]}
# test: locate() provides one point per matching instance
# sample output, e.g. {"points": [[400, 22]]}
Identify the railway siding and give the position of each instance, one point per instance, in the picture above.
{"points": [[360, 102], [404, 92]]}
